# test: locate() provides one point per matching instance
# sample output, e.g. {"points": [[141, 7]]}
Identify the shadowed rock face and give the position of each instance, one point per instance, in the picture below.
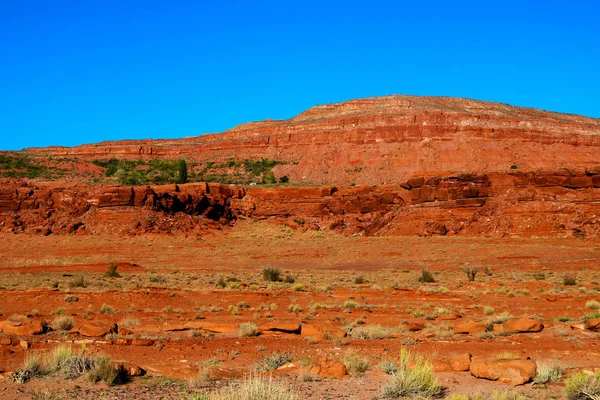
{"points": [[543, 203], [386, 140]]}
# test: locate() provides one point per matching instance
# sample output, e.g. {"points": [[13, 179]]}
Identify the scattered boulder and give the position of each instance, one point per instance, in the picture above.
{"points": [[513, 372], [470, 327], [4, 341], [461, 362], [130, 369], [97, 328], [20, 325], [328, 367], [415, 324], [523, 325], [441, 366], [593, 324]]}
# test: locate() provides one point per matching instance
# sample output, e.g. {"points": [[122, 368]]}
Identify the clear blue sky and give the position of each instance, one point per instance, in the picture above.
{"points": [[84, 71]]}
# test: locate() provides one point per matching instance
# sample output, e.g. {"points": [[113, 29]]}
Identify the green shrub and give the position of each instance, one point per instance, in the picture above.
{"points": [[106, 309], [370, 332], [31, 368], [569, 280], [547, 373], [413, 378], [77, 282], [64, 323], [249, 329], [221, 284], [583, 386], [271, 274], [289, 279], [272, 362], [354, 362], [359, 280], [112, 271], [104, 370]]}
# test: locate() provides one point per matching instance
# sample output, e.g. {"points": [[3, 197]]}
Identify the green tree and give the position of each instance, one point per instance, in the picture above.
{"points": [[183, 172], [269, 177]]}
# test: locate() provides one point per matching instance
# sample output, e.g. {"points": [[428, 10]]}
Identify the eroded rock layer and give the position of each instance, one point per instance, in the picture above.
{"points": [[541, 203]]}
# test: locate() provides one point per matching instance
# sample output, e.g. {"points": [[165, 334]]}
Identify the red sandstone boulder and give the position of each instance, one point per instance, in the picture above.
{"points": [[415, 324], [593, 324], [470, 327], [513, 372], [328, 367], [20, 325], [97, 328], [523, 325], [461, 362]]}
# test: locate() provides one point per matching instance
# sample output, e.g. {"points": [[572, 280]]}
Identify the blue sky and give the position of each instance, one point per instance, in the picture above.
{"points": [[76, 72]]}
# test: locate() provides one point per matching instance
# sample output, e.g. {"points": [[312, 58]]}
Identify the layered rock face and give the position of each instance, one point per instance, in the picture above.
{"points": [[385, 140], [559, 203]]}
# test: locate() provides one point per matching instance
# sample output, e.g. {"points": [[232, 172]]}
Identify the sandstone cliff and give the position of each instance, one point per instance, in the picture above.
{"points": [[385, 140]]}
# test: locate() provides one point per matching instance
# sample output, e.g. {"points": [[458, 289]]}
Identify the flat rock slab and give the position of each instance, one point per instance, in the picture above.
{"points": [[514, 372]]}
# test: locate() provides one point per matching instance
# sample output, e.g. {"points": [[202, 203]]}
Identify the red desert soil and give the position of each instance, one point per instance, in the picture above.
{"points": [[442, 185]]}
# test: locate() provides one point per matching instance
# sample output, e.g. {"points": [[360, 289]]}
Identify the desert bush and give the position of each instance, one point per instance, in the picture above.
{"points": [[592, 305], [254, 389], [370, 332], [221, 284], [507, 395], [289, 279], [59, 311], [104, 370], [583, 386], [272, 362], [465, 397], [249, 329], [359, 280], [129, 322], [354, 362], [539, 276], [413, 378], [77, 282], [271, 274], [299, 287], [112, 271], [106, 309], [569, 280], [426, 276], [388, 367], [488, 310], [31, 368], [64, 323], [470, 271], [350, 304], [243, 304], [71, 298], [547, 373], [75, 366]]}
